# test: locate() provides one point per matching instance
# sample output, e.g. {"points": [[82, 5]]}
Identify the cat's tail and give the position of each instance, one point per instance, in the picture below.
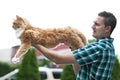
{"points": [[81, 35]]}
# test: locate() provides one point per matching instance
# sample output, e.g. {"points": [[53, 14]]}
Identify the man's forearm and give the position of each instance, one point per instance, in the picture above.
{"points": [[66, 58], [50, 54]]}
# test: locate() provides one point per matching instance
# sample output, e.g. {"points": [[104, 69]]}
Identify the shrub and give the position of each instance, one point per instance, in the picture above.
{"points": [[29, 67], [116, 70], [4, 68], [68, 73]]}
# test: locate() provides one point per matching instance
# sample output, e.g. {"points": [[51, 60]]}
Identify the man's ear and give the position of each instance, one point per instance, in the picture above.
{"points": [[108, 29]]}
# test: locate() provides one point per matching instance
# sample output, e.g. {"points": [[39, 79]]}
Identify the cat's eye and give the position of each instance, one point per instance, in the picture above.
{"points": [[14, 23]]}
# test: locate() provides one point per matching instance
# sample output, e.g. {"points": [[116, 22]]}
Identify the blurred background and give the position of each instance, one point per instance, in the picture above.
{"points": [[79, 14]]}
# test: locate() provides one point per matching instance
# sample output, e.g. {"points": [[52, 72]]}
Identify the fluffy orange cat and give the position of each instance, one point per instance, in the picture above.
{"points": [[46, 37]]}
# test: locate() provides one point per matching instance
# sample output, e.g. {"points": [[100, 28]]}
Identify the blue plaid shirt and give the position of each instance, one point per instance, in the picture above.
{"points": [[96, 60]]}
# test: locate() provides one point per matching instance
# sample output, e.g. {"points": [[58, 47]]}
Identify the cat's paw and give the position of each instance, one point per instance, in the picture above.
{"points": [[15, 60]]}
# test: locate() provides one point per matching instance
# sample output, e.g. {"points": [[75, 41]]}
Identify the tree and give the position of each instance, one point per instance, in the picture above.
{"points": [[4, 68], [29, 67], [116, 70], [68, 73], [91, 40]]}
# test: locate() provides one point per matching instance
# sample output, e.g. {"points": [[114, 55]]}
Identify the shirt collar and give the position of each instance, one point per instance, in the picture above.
{"points": [[106, 39]]}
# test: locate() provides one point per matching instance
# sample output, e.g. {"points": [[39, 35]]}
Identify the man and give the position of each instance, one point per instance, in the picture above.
{"points": [[96, 59]]}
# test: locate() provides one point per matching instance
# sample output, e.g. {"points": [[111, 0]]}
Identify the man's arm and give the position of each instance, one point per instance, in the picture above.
{"points": [[58, 58]]}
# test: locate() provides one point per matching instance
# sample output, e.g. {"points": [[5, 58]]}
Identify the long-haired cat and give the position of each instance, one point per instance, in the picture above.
{"points": [[46, 37]]}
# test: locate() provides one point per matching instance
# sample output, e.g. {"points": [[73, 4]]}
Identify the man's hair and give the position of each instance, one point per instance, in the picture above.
{"points": [[109, 19]]}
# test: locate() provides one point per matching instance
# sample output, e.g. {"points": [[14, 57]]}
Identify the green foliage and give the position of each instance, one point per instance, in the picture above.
{"points": [[91, 40], [116, 70], [29, 67], [4, 68], [68, 73], [45, 62]]}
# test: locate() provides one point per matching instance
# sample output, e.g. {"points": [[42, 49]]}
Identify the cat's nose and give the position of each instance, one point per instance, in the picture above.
{"points": [[13, 27]]}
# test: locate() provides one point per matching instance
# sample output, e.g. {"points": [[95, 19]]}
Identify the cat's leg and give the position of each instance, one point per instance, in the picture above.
{"points": [[21, 51]]}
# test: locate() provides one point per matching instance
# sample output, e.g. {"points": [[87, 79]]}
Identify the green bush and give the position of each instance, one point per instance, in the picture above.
{"points": [[68, 73], [29, 67], [4, 68], [116, 70], [45, 62]]}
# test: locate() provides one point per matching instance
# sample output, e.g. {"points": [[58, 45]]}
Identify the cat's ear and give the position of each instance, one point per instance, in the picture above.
{"points": [[20, 18], [17, 16]]}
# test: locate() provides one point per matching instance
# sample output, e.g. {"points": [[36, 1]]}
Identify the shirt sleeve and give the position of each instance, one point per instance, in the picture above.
{"points": [[87, 54]]}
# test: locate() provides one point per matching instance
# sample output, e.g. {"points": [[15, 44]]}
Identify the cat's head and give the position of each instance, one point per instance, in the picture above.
{"points": [[20, 23]]}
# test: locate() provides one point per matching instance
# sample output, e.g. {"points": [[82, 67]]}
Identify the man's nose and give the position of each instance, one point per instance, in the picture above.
{"points": [[93, 26]]}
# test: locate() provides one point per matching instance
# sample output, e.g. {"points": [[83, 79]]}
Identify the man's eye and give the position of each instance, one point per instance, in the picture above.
{"points": [[96, 24]]}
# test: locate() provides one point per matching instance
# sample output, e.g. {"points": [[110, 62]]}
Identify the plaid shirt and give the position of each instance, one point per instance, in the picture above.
{"points": [[96, 60]]}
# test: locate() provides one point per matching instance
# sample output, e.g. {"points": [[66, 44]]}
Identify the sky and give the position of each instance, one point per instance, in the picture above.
{"points": [[79, 14]]}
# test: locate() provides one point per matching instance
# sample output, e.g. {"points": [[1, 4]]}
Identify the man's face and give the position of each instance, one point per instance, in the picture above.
{"points": [[98, 27]]}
